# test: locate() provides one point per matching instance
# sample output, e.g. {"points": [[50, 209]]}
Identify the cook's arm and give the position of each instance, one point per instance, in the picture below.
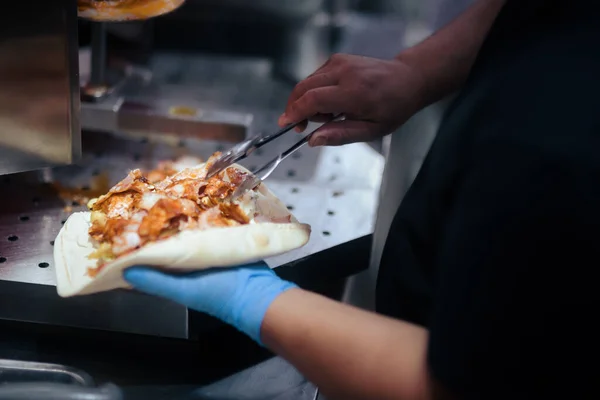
{"points": [[348, 352], [378, 96], [445, 58]]}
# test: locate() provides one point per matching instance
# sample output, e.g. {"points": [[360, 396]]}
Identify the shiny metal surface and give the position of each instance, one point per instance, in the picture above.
{"points": [[33, 380], [18, 371], [57, 391], [262, 173], [139, 104], [39, 91], [130, 102], [243, 149]]}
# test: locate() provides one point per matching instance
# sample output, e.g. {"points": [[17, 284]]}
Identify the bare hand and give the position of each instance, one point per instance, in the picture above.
{"points": [[376, 97]]}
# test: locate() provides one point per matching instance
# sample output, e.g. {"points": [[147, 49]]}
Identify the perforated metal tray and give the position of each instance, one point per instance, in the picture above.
{"points": [[338, 200], [335, 190]]}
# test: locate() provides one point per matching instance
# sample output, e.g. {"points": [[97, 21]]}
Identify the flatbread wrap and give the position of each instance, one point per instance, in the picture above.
{"points": [[175, 219]]}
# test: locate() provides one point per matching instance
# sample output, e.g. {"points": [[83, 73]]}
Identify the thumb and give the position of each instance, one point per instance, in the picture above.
{"points": [[156, 283], [345, 132]]}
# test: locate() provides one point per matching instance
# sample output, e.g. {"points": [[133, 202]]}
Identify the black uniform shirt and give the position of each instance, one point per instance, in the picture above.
{"points": [[496, 244]]}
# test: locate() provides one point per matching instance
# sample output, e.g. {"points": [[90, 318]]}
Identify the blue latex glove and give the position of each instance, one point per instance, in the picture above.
{"points": [[238, 296]]}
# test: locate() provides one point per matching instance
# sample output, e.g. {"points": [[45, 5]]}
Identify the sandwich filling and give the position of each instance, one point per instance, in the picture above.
{"points": [[148, 207]]}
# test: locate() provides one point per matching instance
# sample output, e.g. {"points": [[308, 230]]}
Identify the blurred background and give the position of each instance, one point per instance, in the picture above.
{"points": [[83, 102]]}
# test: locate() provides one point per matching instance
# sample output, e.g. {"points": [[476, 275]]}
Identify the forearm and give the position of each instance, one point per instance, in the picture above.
{"points": [[445, 58], [349, 353]]}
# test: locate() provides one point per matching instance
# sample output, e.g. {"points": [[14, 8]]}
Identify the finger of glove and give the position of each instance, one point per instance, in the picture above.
{"points": [[184, 288], [345, 132], [159, 284]]}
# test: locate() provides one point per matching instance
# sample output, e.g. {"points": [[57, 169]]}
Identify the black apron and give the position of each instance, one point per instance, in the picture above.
{"points": [[408, 268]]}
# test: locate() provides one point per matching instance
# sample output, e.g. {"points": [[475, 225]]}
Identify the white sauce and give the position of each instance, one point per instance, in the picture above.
{"points": [[261, 208], [149, 200], [121, 209], [179, 190], [127, 241]]}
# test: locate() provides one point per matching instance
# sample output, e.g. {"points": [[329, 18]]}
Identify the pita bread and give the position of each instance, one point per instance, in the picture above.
{"points": [[187, 250]]}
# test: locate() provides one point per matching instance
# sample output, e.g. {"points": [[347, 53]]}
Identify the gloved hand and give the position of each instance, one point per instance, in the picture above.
{"points": [[238, 296]]}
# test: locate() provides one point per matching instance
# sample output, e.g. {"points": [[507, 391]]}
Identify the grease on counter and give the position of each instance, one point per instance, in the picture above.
{"points": [[79, 196]]}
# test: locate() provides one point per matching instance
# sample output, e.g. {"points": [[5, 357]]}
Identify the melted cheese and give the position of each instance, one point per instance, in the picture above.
{"points": [[149, 200]]}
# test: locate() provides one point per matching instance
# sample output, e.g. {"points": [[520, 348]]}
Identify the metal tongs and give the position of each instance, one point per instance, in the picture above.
{"points": [[245, 148]]}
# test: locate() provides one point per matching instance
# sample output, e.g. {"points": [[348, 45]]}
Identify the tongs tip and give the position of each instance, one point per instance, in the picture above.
{"points": [[232, 156], [222, 162], [216, 167]]}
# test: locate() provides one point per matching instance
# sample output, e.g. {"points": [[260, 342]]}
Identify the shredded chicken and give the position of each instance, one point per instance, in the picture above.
{"points": [[164, 170], [144, 208]]}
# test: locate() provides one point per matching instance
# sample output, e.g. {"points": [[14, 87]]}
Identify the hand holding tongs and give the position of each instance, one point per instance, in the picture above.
{"points": [[245, 148]]}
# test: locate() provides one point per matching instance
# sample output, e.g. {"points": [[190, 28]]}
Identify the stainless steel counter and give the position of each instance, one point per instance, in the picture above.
{"points": [[332, 189]]}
